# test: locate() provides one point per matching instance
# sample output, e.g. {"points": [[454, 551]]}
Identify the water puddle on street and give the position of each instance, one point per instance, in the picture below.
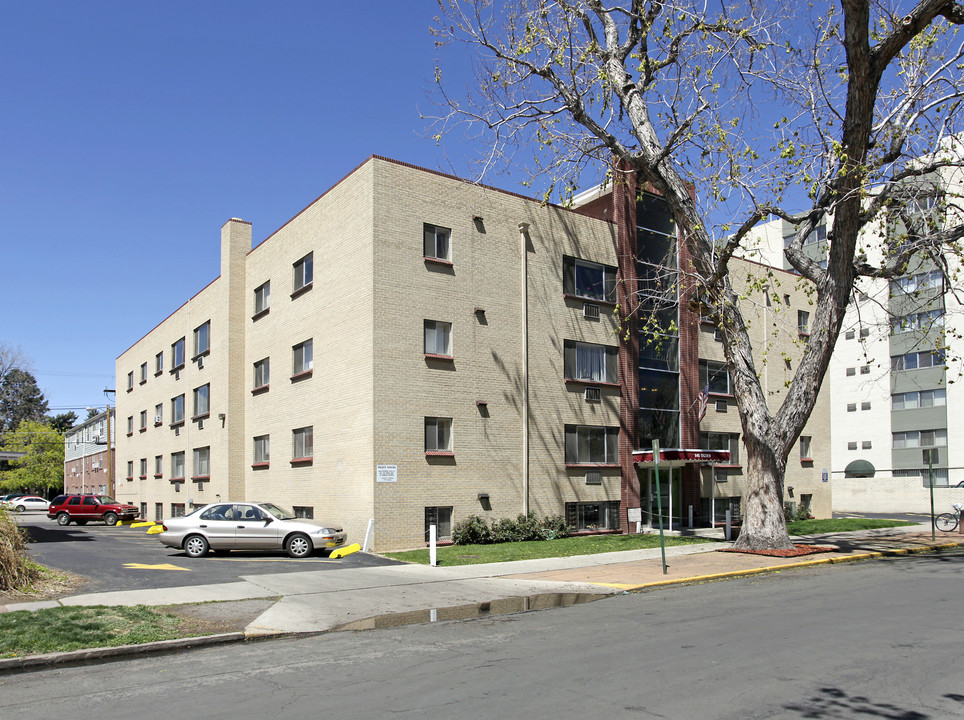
{"points": [[503, 606]]}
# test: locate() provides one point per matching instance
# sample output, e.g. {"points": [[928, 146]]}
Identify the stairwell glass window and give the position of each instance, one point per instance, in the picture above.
{"points": [[438, 434], [438, 338], [715, 376], [589, 280], [303, 443], [590, 444], [302, 358], [262, 298], [590, 363], [202, 462], [436, 242], [202, 339], [202, 401], [304, 272], [262, 370]]}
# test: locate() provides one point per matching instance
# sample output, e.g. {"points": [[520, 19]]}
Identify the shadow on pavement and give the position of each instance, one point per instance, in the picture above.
{"points": [[40, 534], [837, 703]]}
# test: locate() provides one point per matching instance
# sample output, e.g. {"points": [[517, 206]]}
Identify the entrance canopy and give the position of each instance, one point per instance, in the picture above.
{"points": [[678, 457], [859, 469]]}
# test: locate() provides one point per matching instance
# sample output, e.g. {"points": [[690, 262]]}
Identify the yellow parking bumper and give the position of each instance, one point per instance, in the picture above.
{"points": [[347, 550], [155, 529]]}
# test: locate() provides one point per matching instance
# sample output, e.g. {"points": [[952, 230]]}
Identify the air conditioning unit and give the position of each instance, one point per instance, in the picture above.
{"points": [[594, 477], [157, 419], [593, 394], [590, 310], [721, 406], [200, 362]]}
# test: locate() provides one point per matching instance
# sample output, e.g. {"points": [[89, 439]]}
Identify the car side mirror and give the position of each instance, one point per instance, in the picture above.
{"points": [[268, 519]]}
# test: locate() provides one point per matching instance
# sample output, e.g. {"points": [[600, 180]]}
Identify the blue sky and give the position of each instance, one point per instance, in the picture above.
{"points": [[130, 131]]}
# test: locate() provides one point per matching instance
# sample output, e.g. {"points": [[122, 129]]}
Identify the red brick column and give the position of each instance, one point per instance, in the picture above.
{"points": [[689, 334]]}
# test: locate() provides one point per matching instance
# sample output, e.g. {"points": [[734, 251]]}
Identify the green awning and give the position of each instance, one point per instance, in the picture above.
{"points": [[859, 468]]}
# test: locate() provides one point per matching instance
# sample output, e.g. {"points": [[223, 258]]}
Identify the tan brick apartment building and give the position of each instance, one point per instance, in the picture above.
{"points": [[414, 348]]}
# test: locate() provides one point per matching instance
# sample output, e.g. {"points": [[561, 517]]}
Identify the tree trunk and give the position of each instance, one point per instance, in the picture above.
{"points": [[763, 526]]}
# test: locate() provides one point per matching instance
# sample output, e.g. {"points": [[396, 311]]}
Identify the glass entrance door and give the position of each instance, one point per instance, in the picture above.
{"points": [[669, 498]]}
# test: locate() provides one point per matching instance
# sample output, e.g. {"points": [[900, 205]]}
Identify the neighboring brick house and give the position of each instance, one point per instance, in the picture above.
{"points": [[336, 369], [88, 457]]}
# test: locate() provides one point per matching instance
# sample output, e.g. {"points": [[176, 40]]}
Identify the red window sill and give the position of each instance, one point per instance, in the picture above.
{"points": [[803, 460], [582, 298], [259, 315], [158, 424], [130, 434], [202, 416], [158, 373], [177, 424], [433, 356], [721, 396], [142, 477], [726, 467], [579, 381], [260, 465], [130, 389], [302, 461], [439, 453], [302, 290], [158, 475], [259, 390], [176, 369], [301, 376], [130, 478], [201, 355], [177, 480], [200, 478], [439, 261], [143, 429], [142, 382], [592, 465]]}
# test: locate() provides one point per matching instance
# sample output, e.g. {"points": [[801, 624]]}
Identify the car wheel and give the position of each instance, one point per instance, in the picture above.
{"points": [[110, 518], [299, 546], [195, 546], [63, 519], [20, 508]]}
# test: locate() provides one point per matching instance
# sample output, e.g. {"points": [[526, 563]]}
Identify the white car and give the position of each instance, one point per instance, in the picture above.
{"points": [[27, 503], [228, 526]]}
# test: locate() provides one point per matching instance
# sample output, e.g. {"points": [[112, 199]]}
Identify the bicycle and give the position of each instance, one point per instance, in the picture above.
{"points": [[949, 521]]}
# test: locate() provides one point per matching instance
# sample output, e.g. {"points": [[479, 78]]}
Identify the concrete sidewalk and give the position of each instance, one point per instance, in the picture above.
{"points": [[316, 601]]}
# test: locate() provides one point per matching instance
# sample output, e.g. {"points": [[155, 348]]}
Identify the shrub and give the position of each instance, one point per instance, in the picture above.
{"points": [[505, 530], [16, 569], [554, 526], [474, 530]]}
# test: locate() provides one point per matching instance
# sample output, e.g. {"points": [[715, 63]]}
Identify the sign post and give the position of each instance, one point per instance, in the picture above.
{"points": [[930, 456], [659, 505]]}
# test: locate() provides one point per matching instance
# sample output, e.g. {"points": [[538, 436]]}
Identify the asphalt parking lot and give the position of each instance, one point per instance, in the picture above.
{"points": [[126, 558]]}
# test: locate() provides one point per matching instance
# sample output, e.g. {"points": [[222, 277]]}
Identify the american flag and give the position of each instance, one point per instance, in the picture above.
{"points": [[703, 400]]}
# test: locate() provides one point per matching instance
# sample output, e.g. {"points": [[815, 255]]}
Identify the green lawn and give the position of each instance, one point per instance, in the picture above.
{"points": [[25, 632], [507, 552]]}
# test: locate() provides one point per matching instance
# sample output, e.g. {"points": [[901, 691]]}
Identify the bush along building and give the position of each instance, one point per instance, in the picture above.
{"points": [[413, 349]]}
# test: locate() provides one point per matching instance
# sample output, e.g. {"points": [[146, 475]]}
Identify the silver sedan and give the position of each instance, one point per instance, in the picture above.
{"points": [[27, 503], [249, 526]]}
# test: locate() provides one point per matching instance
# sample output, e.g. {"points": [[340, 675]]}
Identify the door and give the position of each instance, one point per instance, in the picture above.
{"points": [[256, 530], [219, 525], [669, 498]]}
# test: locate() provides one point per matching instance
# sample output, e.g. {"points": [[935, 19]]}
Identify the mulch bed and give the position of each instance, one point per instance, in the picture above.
{"points": [[797, 551]]}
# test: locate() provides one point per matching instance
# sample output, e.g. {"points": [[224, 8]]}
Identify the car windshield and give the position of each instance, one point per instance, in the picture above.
{"points": [[279, 513]]}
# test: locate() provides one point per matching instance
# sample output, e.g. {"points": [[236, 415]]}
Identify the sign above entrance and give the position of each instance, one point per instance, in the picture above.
{"points": [[679, 456]]}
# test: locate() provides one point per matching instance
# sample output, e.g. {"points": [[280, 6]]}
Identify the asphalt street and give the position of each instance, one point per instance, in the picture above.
{"points": [[879, 639], [125, 558]]}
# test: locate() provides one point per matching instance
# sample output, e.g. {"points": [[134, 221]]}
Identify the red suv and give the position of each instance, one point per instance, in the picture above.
{"points": [[83, 508]]}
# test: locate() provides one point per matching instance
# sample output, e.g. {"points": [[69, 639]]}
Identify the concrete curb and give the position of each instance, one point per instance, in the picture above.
{"points": [[788, 566], [31, 662]]}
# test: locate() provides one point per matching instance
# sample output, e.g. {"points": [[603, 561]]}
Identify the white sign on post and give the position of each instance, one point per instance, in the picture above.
{"points": [[386, 473]]}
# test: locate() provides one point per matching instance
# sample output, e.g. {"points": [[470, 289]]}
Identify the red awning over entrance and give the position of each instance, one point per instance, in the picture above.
{"points": [[678, 457]]}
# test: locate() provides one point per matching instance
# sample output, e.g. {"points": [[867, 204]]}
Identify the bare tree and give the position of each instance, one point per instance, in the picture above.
{"points": [[11, 358], [844, 110]]}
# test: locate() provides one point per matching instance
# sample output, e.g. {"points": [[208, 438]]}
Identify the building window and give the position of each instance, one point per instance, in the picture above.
{"points": [[177, 355], [866, 445], [262, 449], [803, 322], [852, 446], [143, 420], [158, 414], [851, 407], [158, 467], [865, 405], [865, 369], [304, 272], [303, 443], [143, 474], [917, 360], [918, 321], [305, 512], [722, 441], [589, 516], [591, 363], [302, 358], [919, 399], [864, 332], [159, 363], [714, 377], [130, 469], [805, 447], [202, 401], [202, 339], [262, 298], [588, 280], [177, 410], [143, 373], [130, 425], [850, 335], [438, 338], [130, 381], [202, 462], [177, 510], [441, 518], [851, 372], [920, 438], [590, 444], [438, 435], [262, 373], [437, 242], [177, 466]]}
